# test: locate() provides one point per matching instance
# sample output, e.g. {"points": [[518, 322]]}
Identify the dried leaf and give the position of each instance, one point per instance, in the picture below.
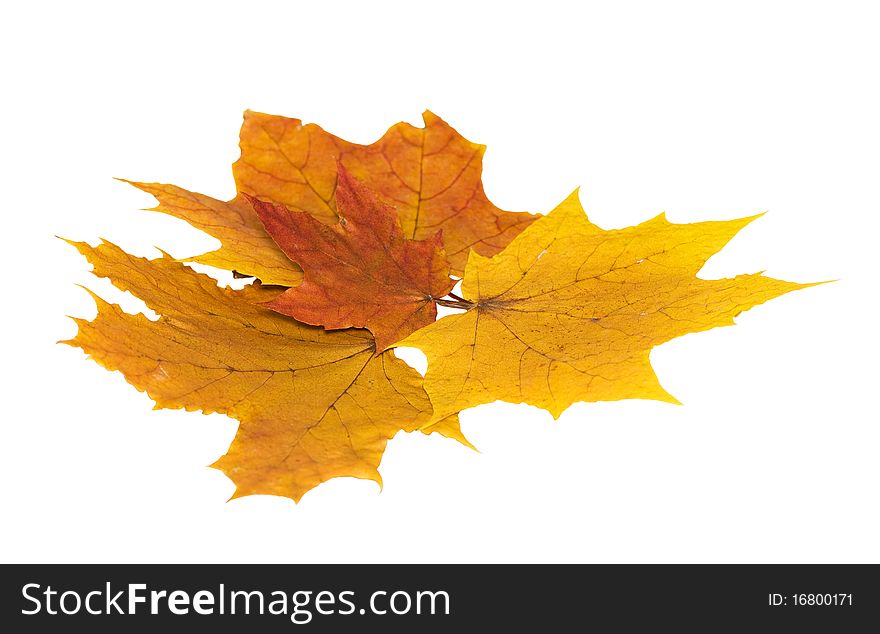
{"points": [[245, 249], [313, 404], [360, 272], [570, 312], [431, 175]]}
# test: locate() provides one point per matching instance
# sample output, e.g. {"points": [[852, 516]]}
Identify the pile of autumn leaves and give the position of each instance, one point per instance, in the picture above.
{"points": [[351, 248]]}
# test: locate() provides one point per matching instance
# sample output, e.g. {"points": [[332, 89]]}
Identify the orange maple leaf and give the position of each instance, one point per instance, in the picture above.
{"points": [[313, 404], [431, 174]]}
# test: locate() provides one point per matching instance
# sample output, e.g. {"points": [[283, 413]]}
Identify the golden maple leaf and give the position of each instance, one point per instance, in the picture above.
{"points": [[570, 312], [245, 247], [431, 175], [313, 404]]}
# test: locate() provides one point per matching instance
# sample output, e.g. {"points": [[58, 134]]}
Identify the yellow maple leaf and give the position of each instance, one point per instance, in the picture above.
{"points": [[245, 247], [570, 312], [313, 404]]}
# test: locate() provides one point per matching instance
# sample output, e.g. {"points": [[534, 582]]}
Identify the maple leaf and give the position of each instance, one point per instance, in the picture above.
{"points": [[313, 404], [360, 272], [245, 246], [432, 175], [570, 312]]}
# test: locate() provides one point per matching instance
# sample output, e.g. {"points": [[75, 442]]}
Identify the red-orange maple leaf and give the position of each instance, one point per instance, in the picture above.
{"points": [[361, 272]]}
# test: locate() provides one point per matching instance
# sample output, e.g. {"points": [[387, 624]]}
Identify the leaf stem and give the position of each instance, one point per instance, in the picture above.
{"points": [[457, 302]]}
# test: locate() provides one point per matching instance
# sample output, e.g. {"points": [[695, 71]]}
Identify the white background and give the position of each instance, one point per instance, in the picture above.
{"points": [[705, 110]]}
